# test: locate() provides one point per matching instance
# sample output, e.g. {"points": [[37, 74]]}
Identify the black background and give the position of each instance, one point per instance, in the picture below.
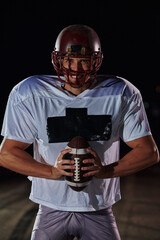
{"points": [[129, 33]]}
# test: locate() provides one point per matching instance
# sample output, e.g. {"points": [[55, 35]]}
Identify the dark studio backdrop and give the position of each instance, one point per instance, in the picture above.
{"points": [[130, 36]]}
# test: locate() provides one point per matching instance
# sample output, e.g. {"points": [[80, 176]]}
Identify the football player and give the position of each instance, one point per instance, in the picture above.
{"points": [[49, 111]]}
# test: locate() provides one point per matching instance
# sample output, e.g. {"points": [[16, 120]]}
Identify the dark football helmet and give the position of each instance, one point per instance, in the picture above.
{"points": [[77, 41]]}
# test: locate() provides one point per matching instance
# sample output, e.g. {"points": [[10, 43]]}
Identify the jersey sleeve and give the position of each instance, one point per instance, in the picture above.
{"points": [[19, 122], [134, 123]]}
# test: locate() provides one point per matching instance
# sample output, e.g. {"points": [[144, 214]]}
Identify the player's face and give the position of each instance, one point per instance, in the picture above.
{"points": [[76, 64]]}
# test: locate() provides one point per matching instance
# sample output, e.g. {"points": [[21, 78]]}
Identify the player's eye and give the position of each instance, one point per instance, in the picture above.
{"points": [[66, 60], [85, 62]]}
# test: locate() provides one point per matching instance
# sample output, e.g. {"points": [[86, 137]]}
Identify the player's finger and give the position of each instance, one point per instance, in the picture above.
{"points": [[89, 160], [91, 173], [65, 173], [66, 161], [67, 167], [63, 152], [89, 168], [90, 150]]}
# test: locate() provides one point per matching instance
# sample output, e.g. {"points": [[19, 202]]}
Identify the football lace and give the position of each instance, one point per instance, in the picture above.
{"points": [[77, 170]]}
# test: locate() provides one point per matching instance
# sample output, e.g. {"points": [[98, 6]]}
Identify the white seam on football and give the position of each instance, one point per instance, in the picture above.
{"points": [[72, 184], [77, 150]]}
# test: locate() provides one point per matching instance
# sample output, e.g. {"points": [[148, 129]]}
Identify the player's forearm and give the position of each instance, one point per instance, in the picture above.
{"points": [[136, 160], [20, 161]]}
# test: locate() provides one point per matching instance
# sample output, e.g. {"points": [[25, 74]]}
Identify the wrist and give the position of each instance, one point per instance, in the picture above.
{"points": [[102, 173], [55, 173], [107, 171]]}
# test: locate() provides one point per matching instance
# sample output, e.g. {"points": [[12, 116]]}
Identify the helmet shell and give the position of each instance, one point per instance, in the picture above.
{"points": [[78, 35]]}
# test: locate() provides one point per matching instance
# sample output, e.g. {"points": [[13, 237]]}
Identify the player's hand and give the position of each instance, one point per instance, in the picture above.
{"points": [[62, 164], [96, 168]]}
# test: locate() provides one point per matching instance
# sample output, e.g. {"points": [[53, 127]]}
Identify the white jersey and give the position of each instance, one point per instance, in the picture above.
{"points": [[39, 111]]}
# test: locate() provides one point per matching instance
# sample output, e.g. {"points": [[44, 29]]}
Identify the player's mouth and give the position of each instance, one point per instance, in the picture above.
{"points": [[76, 79]]}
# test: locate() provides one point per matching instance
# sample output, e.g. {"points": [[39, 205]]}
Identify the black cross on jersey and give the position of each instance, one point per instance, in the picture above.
{"points": [[78, 123]]}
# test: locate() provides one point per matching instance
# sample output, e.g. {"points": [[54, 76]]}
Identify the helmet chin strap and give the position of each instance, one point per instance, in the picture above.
{"points": [[89, 82]]}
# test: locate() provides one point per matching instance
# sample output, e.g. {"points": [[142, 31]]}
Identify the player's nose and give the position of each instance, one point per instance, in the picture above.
{"points": [[76, 66]]}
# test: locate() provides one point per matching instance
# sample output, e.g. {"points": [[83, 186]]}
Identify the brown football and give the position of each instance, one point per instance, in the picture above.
{"points": [[79, 152]]}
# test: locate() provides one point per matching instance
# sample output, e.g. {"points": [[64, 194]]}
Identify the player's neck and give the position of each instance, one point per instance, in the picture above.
{"points": [[76, 91]]}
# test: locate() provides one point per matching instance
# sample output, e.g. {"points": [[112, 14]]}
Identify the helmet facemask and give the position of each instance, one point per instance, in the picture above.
{"points": [[95, 59]]}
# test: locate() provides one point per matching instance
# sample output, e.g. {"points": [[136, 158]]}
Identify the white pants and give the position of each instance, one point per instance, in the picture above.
{"points": [[53, 224]]}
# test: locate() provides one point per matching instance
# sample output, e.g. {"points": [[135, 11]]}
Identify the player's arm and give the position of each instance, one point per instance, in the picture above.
{"points": [[14, 157], [144, 153]]}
